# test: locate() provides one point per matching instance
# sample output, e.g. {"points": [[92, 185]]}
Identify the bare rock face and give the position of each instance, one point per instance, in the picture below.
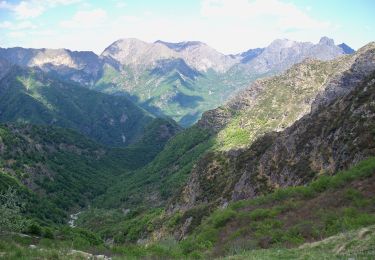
{"points": [[342, 84], [331, 139], [138, 54], [80, 66], [281, 54]]}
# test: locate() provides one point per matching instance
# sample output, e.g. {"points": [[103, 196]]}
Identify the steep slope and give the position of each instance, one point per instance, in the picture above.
{"points": [[267, 105], [80, 66], [162, 177], [4, 67], [290, 217], [65, 169], [30, 95], [333, 137], [54, 165]]}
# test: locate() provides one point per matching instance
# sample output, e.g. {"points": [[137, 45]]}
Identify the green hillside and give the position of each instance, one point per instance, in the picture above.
{"points": [[30, 96], [176, 93], [65, 168]]}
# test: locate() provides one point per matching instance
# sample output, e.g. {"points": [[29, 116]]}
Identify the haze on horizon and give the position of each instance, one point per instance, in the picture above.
{"points": [[230, 26]]}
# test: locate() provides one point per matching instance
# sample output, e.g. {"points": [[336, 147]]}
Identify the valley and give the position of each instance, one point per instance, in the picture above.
{"points": [[176, 151]]}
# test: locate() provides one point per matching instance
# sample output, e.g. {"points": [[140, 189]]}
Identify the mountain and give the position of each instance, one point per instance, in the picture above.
{"points": [[130, 65], [285, 130], [278, 132], [79, 66], [281, 54], [346, 48], [32, 96], [59, 170], [55, 165], [250, 54], [179, 80], [270, 104], [305, 183], [287, 161]]}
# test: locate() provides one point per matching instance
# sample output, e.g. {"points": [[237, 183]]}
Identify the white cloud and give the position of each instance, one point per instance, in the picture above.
{"points": [[5, 25], [230, 26], [23, 25], [121, 4], [26, 10], [17, 34], [286, 15], [33, 8], [86, 19]]}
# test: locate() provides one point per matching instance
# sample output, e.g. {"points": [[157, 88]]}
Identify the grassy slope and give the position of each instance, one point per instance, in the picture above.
{"points": [[357, 244], [281, 101], [292, 216]]}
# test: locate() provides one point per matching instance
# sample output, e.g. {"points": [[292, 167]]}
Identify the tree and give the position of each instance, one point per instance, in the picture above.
{"points": [[10, 211]]}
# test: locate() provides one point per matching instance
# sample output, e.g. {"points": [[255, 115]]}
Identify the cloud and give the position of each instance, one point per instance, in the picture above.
{"points": [[86, 19], [121, 4], [5, 25], [23, 25], [230, 26], [285, 15], [33, 8], [17, 34]]}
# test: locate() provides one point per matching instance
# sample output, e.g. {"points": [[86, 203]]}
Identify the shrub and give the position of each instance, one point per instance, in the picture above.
{"points": [[34, 229], [259, 214], [220, 217], [47, 233]]}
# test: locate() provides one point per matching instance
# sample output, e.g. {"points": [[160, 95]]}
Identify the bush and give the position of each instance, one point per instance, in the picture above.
{"points": [[10, 211], [259, 214], [47, 233], [220, 217], [34, 229]]}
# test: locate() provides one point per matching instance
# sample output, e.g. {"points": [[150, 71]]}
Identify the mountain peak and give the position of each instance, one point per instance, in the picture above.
{"points": [[282, 43], [347, 49], [179, 46], [326, 41]]}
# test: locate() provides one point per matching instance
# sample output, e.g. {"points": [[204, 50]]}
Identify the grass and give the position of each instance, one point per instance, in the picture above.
{"points": [[357, 244]]}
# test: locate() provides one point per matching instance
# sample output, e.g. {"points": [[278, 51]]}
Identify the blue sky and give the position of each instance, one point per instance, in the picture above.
{"points": [[230, 26]]}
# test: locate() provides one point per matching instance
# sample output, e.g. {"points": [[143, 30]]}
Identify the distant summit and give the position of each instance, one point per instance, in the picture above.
{"points": [[179, 46], [346, 48], [326, 41]]}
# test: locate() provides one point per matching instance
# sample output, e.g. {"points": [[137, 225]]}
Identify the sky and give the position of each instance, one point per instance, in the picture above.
{"points": [[230, 26]]}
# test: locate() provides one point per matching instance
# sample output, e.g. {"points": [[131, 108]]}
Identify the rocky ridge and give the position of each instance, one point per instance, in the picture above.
{"points": [[191, 76], [333, 137]]}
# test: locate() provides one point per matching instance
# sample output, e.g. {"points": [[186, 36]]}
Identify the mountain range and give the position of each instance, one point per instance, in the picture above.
{"points": [[272, 154], [178, 80]]}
